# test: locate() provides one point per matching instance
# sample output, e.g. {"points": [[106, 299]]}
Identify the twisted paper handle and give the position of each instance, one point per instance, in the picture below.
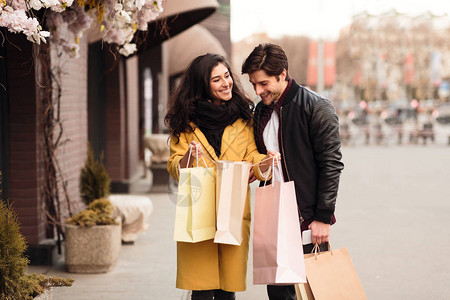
{"points": [[316, 249], [204, 161], [273, 169]]}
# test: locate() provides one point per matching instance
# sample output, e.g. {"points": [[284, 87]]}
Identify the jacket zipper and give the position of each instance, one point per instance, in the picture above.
{"points": [[284, 159]]}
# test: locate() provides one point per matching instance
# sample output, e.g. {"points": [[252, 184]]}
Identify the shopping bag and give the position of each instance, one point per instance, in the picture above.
{"points": [[277, 245], [195, 212], [331, 275], [303, 291], [231, 194]]}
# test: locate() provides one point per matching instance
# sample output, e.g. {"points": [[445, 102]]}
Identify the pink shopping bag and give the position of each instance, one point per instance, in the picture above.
{"points": [[277, 245]]}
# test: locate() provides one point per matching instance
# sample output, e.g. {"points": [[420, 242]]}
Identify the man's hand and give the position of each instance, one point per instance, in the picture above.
{"points": [[320, 232]]}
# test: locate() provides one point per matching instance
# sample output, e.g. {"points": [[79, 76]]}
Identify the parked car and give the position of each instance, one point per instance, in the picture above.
{"points": [[394, 115], [359, 116], [442, 113]]}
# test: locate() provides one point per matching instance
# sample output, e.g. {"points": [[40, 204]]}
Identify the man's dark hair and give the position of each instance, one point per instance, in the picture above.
{"points": [[268, 57]]}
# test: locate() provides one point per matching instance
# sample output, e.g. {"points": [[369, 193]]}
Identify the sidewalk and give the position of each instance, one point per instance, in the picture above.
{"points": [[145, 270], [392, 217]]}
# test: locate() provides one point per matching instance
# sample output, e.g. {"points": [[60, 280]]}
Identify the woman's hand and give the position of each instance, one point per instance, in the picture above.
{"points": [[251, 176], [195, 149], [269, 160]]}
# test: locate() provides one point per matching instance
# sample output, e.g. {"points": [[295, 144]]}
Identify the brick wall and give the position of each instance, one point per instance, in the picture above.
{"points": [[73, 150], [24, 180], [25, 161]]}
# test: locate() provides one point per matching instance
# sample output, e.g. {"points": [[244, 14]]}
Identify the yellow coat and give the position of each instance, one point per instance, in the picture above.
{"points": [[206, 265]]}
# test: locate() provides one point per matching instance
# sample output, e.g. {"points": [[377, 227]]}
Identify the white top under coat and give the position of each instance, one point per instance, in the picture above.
{"points": [[270, 137]]}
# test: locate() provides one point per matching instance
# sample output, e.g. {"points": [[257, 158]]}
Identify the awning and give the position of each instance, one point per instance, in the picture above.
{"points": [[178, 15], [191, 43]]}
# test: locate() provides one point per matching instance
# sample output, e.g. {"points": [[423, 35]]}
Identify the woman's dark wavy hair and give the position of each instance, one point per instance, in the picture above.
{"points": [[194, 87]]}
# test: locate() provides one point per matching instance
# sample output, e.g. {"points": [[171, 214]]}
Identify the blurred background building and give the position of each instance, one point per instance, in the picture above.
{"points": [[382, 69], [394, 57]]}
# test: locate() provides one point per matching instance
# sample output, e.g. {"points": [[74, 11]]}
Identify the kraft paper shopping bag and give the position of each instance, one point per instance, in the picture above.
{"points": [[231, 195], [277, 245], [331, 275], [195, 213]]}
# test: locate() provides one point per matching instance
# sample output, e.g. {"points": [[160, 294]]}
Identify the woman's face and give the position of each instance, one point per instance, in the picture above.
{"points": [[220, 84]]}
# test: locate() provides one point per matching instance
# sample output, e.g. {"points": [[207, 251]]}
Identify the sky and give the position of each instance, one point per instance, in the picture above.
{"points": [[315, 18]]}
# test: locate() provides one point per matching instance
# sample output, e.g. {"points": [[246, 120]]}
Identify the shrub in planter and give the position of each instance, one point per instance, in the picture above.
{"points": [[99, 212], [93, 239], [94, 179], [14, 282]]}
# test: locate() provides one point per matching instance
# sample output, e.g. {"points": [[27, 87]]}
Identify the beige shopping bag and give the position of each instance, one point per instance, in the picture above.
{"points": [[231, 194], [331, 275], [277, 244], [303, 292], [195, 213]]}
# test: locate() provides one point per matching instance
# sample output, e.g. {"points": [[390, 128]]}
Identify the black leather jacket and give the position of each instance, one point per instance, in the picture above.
{"points": [[310, 150]]}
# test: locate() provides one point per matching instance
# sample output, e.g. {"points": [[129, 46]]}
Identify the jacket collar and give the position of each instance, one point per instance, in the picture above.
{"points": [[230, 134], [291, 93]]}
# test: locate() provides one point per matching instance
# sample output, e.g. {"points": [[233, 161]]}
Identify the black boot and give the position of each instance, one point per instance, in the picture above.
{"points": [[203, 295], [224, 295]]}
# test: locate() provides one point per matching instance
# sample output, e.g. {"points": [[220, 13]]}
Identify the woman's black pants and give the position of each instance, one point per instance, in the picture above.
{"points": [[213, 294]]}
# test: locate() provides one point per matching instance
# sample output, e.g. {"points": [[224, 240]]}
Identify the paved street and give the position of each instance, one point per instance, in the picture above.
{"points": [[393, 217], [392, 214]]}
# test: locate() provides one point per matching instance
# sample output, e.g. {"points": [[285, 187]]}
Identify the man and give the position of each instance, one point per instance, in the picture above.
{"points": [[304, 128]]}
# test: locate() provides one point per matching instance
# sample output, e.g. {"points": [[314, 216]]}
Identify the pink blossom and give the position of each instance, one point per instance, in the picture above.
{"points": [[81, 22], [17, 4], [67, 22]]}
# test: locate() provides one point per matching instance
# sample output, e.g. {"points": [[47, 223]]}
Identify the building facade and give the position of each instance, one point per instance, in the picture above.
{"points": [[392, 57]]}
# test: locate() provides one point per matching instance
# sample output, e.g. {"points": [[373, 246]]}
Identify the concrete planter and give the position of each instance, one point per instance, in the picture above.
{"points": [[47, 295], [92, 249]]}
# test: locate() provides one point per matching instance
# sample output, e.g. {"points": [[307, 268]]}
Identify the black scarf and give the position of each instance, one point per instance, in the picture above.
{"points": [[212, 120]]}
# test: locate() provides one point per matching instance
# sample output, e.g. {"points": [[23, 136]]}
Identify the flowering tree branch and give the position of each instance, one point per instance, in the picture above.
{"points": [[67, 20]]}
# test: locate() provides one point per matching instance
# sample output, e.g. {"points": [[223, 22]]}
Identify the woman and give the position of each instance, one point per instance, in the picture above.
{"points": [[211, 116]]}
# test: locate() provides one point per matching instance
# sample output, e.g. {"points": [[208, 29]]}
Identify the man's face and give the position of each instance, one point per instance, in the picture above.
{"points": [[268, 87]]}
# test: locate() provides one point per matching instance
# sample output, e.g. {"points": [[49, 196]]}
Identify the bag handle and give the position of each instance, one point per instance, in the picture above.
{"points": [[204, 161], [267, 176], [265, 159], [273, 170], [189, 156], [196, 155], [212, 160], [316, 250], [258, 163], [277, 167]]}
